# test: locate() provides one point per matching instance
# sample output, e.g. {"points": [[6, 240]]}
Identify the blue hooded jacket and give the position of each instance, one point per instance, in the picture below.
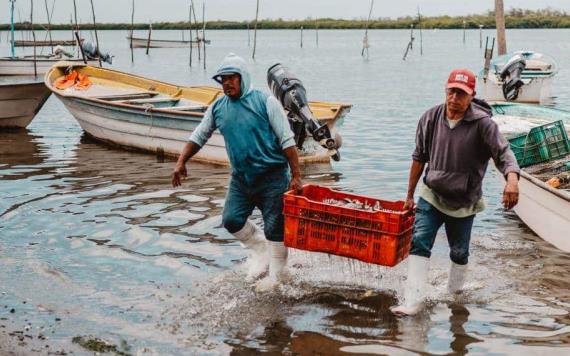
{"points": [[255, 127]]}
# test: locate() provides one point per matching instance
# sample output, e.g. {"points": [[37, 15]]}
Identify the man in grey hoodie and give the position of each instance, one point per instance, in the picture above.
{"points": [[454, 142]]}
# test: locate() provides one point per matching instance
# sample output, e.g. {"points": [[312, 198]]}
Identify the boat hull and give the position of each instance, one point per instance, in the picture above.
{"points": [[159, 133], [544, 210], [19, 103], [20, 66], [536, 90]]}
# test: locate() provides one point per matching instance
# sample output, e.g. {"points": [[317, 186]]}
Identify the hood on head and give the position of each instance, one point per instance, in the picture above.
{"points": [[233, 63]]}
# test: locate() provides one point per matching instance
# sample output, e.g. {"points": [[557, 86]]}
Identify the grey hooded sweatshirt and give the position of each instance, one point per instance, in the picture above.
{"points": [[457, 159]]}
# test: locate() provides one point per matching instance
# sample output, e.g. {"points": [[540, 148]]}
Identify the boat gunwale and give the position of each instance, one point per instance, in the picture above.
{"points": [[537, 182], [340, 108]]}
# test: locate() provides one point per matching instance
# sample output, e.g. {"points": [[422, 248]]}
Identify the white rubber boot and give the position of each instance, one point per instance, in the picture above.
{"points": [[414, 294], [457, 274], [277, 262], [252, 237]]}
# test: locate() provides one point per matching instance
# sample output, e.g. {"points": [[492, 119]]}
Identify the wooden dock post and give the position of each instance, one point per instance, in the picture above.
{"points": [[500, 21], [301, 36]]}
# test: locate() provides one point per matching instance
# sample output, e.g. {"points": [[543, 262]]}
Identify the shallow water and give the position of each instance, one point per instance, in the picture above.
{"points": [[94, 241]]}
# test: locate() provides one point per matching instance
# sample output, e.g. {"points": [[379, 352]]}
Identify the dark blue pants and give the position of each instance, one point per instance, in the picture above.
{"points": [[266, 194], [429, 220]]}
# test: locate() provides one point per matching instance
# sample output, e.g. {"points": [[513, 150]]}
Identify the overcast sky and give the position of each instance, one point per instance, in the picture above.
{"points": [[176, 10]]}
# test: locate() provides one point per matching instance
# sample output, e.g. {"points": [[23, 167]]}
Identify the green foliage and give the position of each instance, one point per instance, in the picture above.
{"points": [[514, 18]]}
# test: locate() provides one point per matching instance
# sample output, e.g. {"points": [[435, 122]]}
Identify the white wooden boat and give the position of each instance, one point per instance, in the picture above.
{"points": [[25, 65], [544, 209], [538, 71], [144, 114], [19, 103], [139, 42]]}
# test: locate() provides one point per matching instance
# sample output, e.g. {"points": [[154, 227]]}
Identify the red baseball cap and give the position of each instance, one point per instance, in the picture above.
{"points": [[462, 79]]}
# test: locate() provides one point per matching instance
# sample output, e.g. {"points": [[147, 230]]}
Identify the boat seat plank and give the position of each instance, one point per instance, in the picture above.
{"points": [[127, 96], [151, 100], [196, 108]]}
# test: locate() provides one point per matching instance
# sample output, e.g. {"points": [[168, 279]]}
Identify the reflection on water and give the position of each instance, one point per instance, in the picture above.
{"points": [[19, 148], [95, 241]]}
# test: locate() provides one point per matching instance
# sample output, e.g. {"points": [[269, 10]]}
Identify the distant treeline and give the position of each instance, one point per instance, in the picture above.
{"points": [[514, 18]]}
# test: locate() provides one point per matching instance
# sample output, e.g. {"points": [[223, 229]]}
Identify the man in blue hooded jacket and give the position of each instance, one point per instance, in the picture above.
{"points": [[261, 149]]}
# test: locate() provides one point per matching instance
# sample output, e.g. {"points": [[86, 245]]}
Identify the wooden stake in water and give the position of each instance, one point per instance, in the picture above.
{"points": [[96, 35], [132, 31], [33, 36], [409, 47], [255, 30], [464, 24], [480, 36], [71, 27], [421, 36], [365, 44], [488, 56], [301, 36], [75, 17], [248, 37], [317, 33], [49, 18], [204, 30], [76, 27], [49, 25], [20, 25], [148, 38], [190, 29], [80, 48], [500, 21], [198, 38], [12, 47], [412, 36]]}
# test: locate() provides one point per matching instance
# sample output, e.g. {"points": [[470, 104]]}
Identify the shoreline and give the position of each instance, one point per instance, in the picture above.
{"points": [[514, 19]]}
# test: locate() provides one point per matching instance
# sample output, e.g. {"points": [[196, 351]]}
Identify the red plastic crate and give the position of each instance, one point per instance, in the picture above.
{"points": [[379, 237]]}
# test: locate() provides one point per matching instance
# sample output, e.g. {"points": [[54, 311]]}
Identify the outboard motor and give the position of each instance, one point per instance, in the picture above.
{"points": [[511, 77], [92, 52], [289, 90]]}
